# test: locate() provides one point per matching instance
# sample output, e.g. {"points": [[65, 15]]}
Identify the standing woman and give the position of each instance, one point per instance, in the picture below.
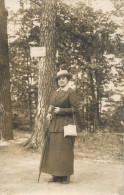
{"points": [[59, 155]]}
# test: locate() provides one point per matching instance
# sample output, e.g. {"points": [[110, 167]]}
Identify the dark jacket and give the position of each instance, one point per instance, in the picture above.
{"points": [[68, 102]]}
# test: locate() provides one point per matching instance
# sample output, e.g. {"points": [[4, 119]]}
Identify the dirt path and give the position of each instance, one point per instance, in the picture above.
{"points": [[19, 172]]}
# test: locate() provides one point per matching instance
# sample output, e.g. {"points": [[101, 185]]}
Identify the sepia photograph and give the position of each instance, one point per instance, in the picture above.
{"points": [[61, 97]]}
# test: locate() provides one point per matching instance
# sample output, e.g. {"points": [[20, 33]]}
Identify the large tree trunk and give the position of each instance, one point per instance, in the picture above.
{"points": [[46, 70], [5, 99]]}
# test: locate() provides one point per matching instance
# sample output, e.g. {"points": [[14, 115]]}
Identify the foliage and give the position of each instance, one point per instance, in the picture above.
{"points": [[23, 70], [85, 45], [88, 43]]}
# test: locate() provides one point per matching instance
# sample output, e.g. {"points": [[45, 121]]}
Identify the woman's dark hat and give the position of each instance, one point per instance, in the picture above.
{"points": [[63, 73]]}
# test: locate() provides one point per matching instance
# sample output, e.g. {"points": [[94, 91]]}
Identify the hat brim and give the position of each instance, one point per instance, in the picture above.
{"points": [[69, 75]]}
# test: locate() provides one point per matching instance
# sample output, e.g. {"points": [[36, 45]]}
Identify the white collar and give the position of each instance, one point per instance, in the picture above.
{"points": [[64, 88]]}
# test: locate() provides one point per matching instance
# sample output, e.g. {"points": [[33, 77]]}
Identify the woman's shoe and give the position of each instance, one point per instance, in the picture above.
{"points": [[66, 180], [53, 179]]}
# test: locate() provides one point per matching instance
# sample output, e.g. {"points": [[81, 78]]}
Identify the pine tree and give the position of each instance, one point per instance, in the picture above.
{"points": [[5, 98], [46, 69]]}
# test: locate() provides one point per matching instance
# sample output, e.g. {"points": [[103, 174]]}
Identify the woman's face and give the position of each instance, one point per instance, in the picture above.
{"points": [[62, 81]]}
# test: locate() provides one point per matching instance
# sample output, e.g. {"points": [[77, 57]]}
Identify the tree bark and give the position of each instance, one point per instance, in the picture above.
{"points": [[94, 98], [5, 98], [46, 70]]}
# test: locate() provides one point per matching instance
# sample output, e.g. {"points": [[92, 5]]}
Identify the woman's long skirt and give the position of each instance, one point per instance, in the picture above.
{"points": [[59, 155]]}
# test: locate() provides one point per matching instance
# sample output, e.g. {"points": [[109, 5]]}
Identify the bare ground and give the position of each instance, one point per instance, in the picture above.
{"points": [[19, 173]]}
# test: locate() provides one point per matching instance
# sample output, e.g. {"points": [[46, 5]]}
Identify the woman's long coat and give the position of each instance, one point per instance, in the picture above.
{"points": [[59, 154], [67, 100]]}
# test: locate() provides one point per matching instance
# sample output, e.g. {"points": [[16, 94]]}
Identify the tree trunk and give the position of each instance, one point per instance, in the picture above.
{"points": [[94, 98], [5, 98], [46, 70], [98, 93]]}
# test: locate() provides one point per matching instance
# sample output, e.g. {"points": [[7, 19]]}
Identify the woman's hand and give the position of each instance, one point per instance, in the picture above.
{"points": [[49, 117], [56, 110]]}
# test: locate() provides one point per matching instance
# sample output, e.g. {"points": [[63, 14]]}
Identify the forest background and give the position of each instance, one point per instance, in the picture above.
{"points": [[89, 43]]}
